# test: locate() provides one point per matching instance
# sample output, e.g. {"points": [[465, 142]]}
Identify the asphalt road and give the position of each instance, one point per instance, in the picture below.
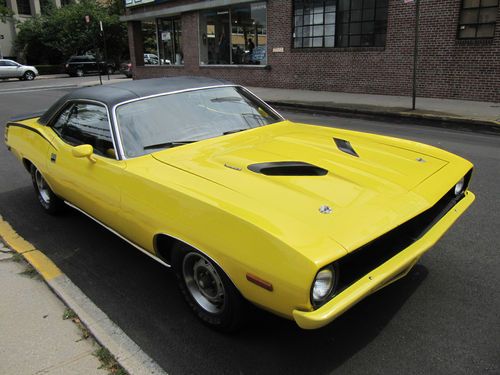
{"points": [[443, 318]]}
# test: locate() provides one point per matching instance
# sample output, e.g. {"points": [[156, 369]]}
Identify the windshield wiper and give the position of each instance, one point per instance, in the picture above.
{"points": [[234, 131], [167, 144], [225, 99]]}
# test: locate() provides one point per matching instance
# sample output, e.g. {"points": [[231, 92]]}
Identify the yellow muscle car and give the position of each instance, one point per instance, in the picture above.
{"points": [[301, 220]]}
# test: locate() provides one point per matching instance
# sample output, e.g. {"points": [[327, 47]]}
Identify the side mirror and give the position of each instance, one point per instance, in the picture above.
{"points": [[84, 151]]}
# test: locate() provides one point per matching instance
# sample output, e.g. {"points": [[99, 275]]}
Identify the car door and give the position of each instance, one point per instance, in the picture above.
{"points": [[3, 69], [91, 64], [92, 184], [9, 69]]}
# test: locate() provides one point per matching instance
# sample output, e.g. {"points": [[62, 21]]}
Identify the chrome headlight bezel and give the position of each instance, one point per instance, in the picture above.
{"points": [[324, 285], [460, 187]]}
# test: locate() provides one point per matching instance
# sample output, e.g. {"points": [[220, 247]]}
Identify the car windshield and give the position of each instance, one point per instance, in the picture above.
{"points": [[152, 124]]}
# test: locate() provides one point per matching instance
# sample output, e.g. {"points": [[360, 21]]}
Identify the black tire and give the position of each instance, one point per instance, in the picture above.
{"points": [[29, 75], [110, 70], [228, 314], [48, 200]]}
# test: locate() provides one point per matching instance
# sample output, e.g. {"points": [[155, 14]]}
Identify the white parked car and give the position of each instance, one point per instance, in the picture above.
{"points": [[152, 59], [12, 69]]}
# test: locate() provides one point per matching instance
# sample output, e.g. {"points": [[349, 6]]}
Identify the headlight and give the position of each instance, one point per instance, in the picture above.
{"points": [[323, 285], [459, 187]]}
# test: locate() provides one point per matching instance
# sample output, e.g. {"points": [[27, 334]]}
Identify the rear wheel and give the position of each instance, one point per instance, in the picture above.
{"points": [[48, 200], [207, 289]]}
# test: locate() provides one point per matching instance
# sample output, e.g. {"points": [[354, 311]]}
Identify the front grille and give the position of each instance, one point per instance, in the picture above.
{"points": [[370, 256]]}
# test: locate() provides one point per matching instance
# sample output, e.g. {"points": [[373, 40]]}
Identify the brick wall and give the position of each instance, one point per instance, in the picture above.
{"points": [[448, 67]]}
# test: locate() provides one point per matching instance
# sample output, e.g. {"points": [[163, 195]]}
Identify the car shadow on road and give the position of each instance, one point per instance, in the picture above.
{"points": [[140, 295]]}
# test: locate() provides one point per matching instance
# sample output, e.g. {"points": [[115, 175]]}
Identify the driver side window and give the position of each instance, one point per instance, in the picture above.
{"points": [[84, 123]]}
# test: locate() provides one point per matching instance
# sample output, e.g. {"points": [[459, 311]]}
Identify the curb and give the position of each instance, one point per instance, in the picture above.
{"points": [[450, 122], [126, 352]]}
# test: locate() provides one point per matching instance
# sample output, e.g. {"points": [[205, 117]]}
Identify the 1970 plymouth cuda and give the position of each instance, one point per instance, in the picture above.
{"points": [[301, 220]]}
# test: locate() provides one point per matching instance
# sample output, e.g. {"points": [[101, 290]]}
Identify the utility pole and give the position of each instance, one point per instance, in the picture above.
{"points": [[105, 50], [415, 55], [87, 21]]}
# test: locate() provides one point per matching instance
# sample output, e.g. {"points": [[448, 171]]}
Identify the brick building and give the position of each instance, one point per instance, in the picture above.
{"points": [[359, 46]]}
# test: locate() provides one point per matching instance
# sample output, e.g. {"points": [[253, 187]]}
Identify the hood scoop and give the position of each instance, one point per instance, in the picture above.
{"points": [[345, 146], [287, 168]]}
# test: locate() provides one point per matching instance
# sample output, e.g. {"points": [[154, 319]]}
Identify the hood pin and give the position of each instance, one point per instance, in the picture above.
{"points": [[325, 209]]}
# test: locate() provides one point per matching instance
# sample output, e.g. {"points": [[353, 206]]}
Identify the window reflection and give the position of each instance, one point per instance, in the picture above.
{"points": [[169, 35], [234, 35]]}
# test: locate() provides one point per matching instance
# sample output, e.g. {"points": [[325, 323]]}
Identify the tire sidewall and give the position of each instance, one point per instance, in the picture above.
{"points": [[51, 207], [230, 317]]}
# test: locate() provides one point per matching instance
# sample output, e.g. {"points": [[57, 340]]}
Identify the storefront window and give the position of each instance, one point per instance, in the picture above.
{"points": [[169, 34], [150, 43], [235, 35]]}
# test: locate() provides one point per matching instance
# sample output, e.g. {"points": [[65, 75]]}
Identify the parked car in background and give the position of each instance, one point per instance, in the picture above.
{"points": [[152, 59], [77, 66], [12, 69], [126, 68]]}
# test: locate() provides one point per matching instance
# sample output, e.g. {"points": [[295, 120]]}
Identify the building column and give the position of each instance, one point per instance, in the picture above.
{"points": [[136, 43], [35, 7], [57, 3], [12, 5]]}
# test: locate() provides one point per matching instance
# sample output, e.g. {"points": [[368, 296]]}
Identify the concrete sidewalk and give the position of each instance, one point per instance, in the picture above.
{"points": [[462, 112], [34, 337]]}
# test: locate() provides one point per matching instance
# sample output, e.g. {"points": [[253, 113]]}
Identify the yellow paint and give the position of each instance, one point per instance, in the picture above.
{"points": [[12, 239], [393, 269], [37, 259], [269, 226], [42, 264]]}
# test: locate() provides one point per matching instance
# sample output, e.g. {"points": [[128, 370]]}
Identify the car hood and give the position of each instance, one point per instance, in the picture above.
{"points": [[367, 194]]}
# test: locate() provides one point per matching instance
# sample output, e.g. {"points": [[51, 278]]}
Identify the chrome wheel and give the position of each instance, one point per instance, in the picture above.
{"points": [[203, 283], [29, 76], [79, 73], [43, 188]]}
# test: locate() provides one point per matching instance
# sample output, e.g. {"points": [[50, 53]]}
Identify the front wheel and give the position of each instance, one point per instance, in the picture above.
{"points": [[29, 76], [48, 200], [207, 289]]}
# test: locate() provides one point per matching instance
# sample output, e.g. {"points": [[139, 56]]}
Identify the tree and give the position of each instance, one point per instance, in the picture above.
{"points": [[63, 32], [5, 12]]}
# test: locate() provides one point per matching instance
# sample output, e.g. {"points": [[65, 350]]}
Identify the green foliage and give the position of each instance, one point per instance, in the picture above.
{"points": [[5, 12], [63, 32]]}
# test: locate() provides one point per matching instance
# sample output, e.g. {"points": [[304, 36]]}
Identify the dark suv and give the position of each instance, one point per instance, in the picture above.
{"points": [[77, 66]]}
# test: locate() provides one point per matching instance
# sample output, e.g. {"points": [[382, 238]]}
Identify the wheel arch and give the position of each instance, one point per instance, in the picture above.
{"points": [[27, 164], [164, 246]]}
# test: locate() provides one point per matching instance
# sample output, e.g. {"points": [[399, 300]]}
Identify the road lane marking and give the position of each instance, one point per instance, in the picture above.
{"points": [[35, 89]]}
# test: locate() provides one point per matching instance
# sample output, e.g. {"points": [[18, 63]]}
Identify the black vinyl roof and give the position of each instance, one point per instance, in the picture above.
{"points": [[119, 92]]}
